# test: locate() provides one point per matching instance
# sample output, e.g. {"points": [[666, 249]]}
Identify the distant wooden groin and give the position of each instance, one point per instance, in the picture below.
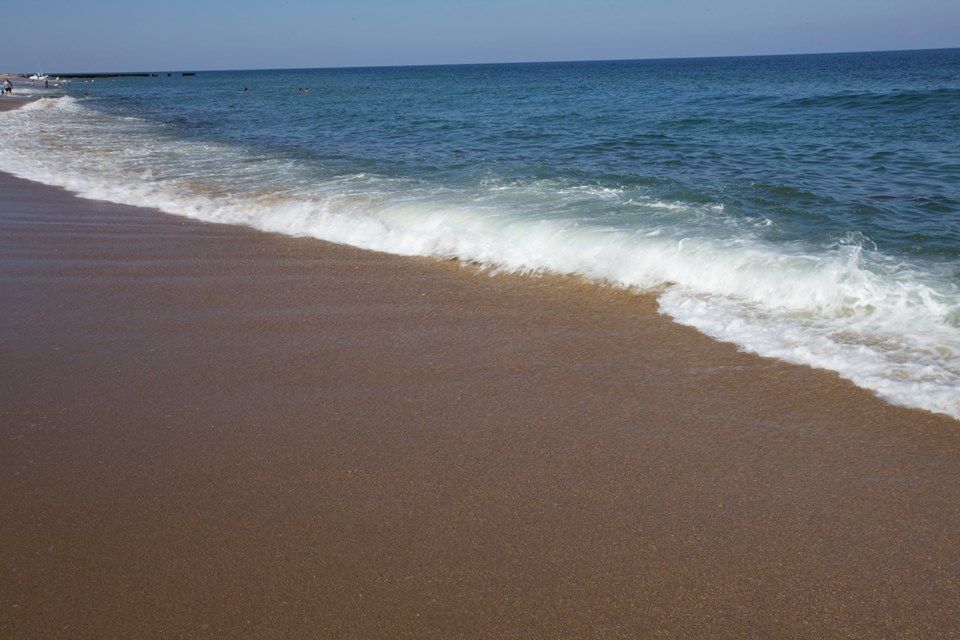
{"points": [[136, 74]]}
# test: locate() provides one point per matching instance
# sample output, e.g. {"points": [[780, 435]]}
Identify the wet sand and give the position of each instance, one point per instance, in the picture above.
{"points": [[12, 102], [211, 432]]}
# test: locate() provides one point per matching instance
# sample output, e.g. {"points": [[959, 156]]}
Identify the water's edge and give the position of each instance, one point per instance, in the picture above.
{"points": [[878, 320]]}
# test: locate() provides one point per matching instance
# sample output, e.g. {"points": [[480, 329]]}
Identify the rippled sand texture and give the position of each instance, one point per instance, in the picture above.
{"points": [[212, 432]]}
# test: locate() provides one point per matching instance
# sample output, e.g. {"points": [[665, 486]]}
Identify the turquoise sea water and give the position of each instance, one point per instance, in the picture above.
{"points": [[804, 207]]}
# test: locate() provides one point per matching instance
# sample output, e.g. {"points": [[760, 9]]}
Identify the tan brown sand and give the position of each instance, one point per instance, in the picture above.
{"points": [[11, 102], [210, 432]]}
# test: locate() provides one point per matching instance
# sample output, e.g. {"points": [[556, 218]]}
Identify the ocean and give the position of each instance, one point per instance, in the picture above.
{"points": [[805, 208]]}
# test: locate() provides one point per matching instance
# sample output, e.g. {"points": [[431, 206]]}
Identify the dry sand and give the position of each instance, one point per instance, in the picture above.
{"points": [[210, 432]]}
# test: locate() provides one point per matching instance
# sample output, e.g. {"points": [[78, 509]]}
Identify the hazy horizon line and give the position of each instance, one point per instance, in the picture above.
{"points": [[513, 62]]}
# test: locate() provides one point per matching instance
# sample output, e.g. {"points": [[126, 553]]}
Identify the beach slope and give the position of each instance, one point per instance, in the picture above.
{"points": [[213, 432]]}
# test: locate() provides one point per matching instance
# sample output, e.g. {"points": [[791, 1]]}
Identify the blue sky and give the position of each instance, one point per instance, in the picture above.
{"points": [[62, 35]]}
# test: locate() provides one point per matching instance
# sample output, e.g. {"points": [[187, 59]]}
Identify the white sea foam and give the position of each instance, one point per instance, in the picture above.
{"points": [[883, 324]]}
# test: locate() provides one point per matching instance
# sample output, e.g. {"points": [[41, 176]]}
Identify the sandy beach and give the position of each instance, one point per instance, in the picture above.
{"points": [[212, 432]]}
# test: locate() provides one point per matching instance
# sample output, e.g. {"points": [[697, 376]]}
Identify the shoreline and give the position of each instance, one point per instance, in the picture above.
{"points": [[214, 431], [842, 306]]}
